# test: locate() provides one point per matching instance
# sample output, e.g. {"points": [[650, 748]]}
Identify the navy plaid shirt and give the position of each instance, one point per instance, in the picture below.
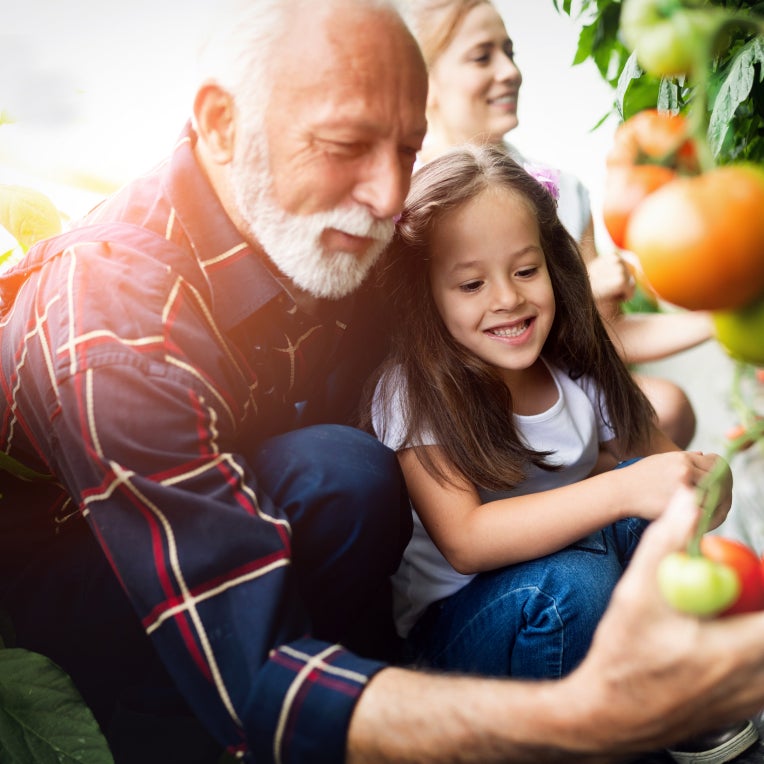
{"points": [[142, 358]]}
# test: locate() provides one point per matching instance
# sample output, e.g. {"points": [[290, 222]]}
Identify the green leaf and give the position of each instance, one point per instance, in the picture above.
{"points": [[669, 95], [734, 89], [9, 464], [584, 49], [43, 718], [631, 71]]}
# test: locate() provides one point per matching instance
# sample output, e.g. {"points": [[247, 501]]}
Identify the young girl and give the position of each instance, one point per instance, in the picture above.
{"points": [[502, 389]]}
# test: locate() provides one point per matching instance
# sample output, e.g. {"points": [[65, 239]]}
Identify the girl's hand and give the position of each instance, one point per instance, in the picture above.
{"points": [[651, 482]]}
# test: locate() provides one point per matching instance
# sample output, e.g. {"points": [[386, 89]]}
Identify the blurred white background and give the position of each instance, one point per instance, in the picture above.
{"points": [[99, 90]]}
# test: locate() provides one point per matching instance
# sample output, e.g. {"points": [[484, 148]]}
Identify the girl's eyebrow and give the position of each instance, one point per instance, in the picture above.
{"points": [[464, 265]]}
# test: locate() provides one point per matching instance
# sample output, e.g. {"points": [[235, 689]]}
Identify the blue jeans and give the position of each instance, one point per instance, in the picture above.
{"points": [[531, 620]]}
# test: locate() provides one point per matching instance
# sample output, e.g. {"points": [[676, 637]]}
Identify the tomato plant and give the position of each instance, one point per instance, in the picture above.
{"points": [[741, 332], [741, 431], [699, 239], [745, 562], [697, 585]]}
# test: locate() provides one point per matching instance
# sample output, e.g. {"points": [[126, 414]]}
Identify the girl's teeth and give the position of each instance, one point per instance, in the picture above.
{"points": [[513, 331]]}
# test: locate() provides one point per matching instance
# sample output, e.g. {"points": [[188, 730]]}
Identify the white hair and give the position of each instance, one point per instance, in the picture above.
{"points": [[243, 39]]}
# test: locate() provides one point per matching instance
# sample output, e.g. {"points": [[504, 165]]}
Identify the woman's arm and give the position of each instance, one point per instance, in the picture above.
{"points": [[642, 337]]}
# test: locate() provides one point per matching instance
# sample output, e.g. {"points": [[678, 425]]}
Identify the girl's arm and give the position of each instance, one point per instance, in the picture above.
{"points": [[476, 537]]}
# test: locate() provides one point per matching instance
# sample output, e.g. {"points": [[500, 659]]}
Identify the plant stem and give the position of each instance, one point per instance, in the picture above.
{"points": [[709, 489]]}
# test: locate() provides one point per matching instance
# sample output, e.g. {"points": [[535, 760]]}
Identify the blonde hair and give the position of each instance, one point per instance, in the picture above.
{"points": [[434, 23]]}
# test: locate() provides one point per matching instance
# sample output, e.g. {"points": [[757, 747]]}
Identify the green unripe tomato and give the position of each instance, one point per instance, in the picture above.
{"points": [[668, 39], [696, 585], [741, 332]]}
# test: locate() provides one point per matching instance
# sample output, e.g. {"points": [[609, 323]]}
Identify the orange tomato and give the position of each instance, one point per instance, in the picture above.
{"points": [[625, 189], [654, 137], [700, 240]]}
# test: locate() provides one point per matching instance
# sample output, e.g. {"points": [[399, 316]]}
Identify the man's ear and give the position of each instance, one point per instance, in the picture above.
{"points": [[215, 120]]}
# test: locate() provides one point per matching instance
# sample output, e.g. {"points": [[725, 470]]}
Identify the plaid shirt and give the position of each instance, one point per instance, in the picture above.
{"points": [[142, 358]]}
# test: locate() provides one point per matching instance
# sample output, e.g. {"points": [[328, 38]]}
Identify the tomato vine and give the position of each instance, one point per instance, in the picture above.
{"points": [[733, 93]]}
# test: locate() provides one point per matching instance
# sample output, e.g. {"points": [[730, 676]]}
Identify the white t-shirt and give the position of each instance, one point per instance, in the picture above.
{"points": [[573, 427]]}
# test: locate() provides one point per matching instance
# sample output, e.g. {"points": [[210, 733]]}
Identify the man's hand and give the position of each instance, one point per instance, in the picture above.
{"points": [[654, 676]]}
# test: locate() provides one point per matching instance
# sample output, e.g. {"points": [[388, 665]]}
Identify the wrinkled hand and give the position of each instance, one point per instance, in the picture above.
{"points": [[655, 676], [611, 278], [652, 482]]}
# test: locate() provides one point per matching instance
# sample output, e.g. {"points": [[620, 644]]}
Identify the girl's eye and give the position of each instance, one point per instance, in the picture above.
{"points": [[471, 286], [509, 50], [526, 273]]}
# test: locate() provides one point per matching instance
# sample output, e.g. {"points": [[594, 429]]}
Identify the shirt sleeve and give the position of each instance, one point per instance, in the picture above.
{"points": [[573, 205], [150, 415]]}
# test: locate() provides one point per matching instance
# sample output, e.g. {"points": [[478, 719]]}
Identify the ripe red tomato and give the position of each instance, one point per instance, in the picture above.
{"points": [[745, 563], [700, 239]]}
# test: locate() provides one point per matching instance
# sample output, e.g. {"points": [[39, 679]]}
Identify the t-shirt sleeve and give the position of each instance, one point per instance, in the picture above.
{"points": [[574, 205]]}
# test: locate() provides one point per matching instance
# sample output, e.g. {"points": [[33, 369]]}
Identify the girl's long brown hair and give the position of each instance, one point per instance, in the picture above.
{"points": [[451, 393]]}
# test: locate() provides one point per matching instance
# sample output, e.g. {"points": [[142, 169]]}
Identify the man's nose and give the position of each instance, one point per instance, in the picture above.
{"points": [[384, 184]]}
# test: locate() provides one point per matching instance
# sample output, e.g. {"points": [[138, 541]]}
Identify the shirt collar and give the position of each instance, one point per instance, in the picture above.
{"points": [[240, 282]]}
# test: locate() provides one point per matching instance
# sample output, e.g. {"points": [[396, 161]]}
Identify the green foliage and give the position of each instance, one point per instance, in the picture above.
{"points": [[735, 89], [43, 718]]}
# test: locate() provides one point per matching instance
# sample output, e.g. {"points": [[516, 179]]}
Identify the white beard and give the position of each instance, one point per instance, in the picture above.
{"points": [[293, 242]]}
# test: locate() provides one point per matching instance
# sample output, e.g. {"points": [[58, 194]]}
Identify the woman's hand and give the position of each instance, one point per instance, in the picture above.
{"points": [[611, 278]]}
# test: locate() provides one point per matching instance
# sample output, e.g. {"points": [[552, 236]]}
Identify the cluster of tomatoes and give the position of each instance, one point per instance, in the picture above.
{"points": [[698, 236], [727, 578]]}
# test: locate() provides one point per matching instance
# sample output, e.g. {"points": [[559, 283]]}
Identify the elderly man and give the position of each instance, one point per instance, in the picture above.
{"points": [[203, 531]]}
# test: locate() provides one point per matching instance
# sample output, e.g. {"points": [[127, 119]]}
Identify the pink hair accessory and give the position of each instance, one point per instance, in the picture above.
{"points": [[547, 176]]}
